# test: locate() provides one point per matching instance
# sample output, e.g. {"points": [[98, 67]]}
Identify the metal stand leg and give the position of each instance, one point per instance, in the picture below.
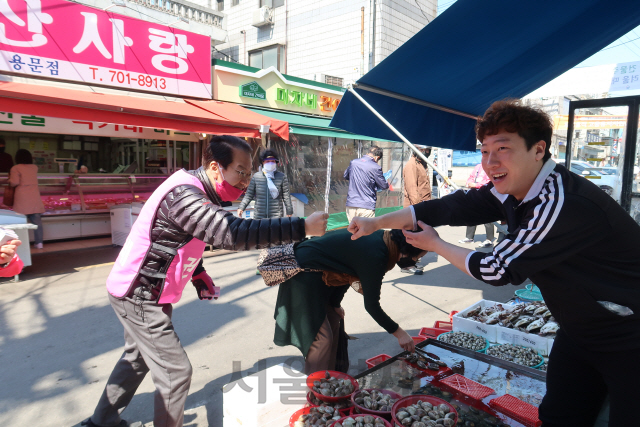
{"points": [[16, 278]]}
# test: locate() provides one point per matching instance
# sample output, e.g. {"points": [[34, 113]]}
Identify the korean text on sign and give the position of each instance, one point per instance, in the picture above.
{"points": [[65, 40]]}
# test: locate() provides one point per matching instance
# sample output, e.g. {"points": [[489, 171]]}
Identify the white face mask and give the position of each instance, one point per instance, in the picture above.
{"points": [[269, 167]]}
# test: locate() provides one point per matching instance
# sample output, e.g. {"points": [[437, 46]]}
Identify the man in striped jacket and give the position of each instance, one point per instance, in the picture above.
{"points": [[570, 238]]}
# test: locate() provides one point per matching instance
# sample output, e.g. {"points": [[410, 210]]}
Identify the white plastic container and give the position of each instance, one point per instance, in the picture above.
{"points": [[525, 339], [467, 325]]}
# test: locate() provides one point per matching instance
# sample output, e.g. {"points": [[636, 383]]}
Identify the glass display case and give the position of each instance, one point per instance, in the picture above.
{"points": [[503, 377], [77, 205]]}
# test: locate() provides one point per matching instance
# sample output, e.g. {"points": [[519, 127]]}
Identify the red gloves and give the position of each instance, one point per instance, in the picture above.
{"points": [[205, 287]]}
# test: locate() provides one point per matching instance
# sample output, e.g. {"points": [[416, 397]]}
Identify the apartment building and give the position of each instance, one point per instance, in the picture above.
{"points": [[330, 41]]}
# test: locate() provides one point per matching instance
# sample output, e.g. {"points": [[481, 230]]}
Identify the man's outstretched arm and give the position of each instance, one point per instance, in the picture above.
{"points": [[402, 219]]}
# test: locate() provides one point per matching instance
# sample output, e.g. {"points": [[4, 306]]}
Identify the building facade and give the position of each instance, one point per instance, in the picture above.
{"points": [[333, 41]]}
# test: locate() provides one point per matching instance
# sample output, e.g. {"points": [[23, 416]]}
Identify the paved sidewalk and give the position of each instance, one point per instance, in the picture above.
{"points": [[59, 337]]}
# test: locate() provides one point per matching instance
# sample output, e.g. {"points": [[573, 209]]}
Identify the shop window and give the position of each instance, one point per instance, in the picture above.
{"points": [[272, 3], [219, 5], [335, 81], [272, 56]]}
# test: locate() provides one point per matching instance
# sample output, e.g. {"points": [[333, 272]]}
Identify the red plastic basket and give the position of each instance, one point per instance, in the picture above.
{"points": [[410, 400], [311, 404], [443, 325], [377, 360], [294, 417], [467, 387], [362, 410], [320, 374], [515, 408], [417, 340], [386, 423], [453, 313], [432, 332]]}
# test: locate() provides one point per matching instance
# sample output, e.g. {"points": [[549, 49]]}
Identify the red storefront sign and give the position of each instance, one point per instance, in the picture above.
{"points": [[57, 39]]}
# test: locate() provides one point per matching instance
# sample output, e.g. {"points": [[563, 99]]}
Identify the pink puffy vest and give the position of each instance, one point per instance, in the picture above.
{"points": [[129, 262]]}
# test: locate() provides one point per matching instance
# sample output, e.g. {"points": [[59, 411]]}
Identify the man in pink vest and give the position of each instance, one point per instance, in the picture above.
{"points": [[162, 253]]}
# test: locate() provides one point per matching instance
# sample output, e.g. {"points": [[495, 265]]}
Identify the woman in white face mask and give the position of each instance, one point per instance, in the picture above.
{"points": [[269, 188]]}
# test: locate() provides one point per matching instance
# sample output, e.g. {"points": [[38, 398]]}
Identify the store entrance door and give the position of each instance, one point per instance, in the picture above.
{"points": [[602, 139]]}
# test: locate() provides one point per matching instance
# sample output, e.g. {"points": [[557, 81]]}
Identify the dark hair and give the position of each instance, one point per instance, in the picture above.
{"points": [[510, 115], [220, 149], [376, 151], [268, 153], [23, 157], [403, 247]]}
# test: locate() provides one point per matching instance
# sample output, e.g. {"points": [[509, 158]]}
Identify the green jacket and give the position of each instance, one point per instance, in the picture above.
{"points": [[300, 307]]}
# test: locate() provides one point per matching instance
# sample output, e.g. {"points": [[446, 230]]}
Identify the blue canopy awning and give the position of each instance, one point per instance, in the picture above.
{"points": [[477, 52]]}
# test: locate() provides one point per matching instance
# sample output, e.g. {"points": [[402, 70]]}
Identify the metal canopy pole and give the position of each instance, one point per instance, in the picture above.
{"points": [[406, 141], [500, 227], [327, 187]]}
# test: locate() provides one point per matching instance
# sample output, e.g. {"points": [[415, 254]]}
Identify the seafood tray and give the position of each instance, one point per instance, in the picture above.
{"points": [[315, 378], [461, 323], [515, 408], [467, 387], [361, 406], [524, 339], [475, 340], [525, 324], [377, 360], [419, 401]]}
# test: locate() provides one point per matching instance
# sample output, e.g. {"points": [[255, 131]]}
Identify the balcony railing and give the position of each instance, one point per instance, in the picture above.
{"points": [[188, 10]]}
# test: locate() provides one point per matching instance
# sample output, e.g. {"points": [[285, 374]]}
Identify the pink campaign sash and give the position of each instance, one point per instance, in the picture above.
{"points": [[127, 266]]}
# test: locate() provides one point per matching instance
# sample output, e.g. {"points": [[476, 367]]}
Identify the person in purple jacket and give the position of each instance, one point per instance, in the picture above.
{"points": [[365, 179]]}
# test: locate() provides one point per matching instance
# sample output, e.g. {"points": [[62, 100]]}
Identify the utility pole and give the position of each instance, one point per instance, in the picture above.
{"points": [[372, 63], [362, 41]]}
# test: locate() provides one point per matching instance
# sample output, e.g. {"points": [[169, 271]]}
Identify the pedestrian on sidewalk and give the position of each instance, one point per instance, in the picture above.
{"points": [[308, 309], [163, 251], [365, 179], [477, 179], [27, 201], [417, 188], [269, 188], [570, 238]]}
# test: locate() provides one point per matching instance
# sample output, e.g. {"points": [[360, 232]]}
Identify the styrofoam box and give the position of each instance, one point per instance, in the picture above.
{"points": [[550, 342], [515, 337], [499, 334], [262, 405], [467, 325]]}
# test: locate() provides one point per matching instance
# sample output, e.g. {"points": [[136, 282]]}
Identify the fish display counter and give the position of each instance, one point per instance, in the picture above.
{"points": [[486, 391]]}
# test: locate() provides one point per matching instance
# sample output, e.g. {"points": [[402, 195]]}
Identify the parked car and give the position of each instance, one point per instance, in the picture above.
{"points": [[605, 178]]}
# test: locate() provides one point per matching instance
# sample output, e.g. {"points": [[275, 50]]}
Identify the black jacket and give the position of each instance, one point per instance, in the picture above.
{"points": [[571, 239], [267, 206], [186, 213]]}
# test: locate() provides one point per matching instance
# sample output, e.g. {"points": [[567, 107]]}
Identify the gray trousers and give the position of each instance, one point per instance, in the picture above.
{"points": [[471, 231], [152, 345]]}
